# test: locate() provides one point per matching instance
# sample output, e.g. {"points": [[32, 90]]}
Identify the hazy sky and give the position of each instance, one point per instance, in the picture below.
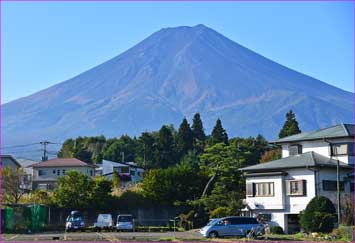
{"points": [[44, 43]]}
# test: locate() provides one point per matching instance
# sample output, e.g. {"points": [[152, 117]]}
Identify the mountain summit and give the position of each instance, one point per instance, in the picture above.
{"points": [[173, 73]]}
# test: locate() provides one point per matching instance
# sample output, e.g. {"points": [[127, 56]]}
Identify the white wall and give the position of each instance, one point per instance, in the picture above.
{"points": [[49, 175], [320, 147], [295, 204], [275, 202]]}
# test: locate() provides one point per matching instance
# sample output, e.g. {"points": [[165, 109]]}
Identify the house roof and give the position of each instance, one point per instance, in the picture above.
{"points": [[26, 162], [337, 131], [309, 159], [11, 158], [128, 164], [62, 162]]}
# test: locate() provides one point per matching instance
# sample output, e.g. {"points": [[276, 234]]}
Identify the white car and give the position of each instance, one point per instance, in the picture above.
{"points": [[104, 221]]}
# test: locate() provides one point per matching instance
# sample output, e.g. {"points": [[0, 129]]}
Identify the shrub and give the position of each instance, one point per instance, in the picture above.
{"points": [[221, 212], [276, 230], [319, 215]]}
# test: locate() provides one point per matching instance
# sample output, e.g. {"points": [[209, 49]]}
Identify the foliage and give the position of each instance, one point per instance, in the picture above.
{"points": [[276, 230], [271, 155], [348, 215], [290, 126], [219, 135], [174, 184], [115, 180], [165, 155], [319, 215], [101, 198], [12, 185], [223, 161], [184, 139], [73, 190], [221, 212]]}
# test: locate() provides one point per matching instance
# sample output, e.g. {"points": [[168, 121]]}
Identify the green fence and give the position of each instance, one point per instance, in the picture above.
{"points": [[24, 217]]}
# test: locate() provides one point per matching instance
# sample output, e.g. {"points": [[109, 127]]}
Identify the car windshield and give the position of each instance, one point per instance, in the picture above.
{"points": [[75, 218], [212, 221], [124, 218]]}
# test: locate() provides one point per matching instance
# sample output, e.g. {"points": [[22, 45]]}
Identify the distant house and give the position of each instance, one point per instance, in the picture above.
{"points": [[45, 173], [26, 163], [279, 190], [9, 161], [128, 172]]}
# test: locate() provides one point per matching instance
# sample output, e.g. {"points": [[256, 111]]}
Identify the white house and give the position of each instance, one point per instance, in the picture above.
{"points": [[44, 174], [280, 189], [128, 172]]}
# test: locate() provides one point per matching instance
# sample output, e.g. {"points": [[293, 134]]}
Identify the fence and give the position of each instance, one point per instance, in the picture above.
{"points": [[32, 217]]}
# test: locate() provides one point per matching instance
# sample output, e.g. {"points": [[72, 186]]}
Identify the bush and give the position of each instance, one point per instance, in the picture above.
{"points": [[319, 215], [276, 230], [221, 212]]}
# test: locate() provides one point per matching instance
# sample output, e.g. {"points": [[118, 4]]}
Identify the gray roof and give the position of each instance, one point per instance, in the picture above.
{"points": [[309, 159], [26, 162], [338, 131]]}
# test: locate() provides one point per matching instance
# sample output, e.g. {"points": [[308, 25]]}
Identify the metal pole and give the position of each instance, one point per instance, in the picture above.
{"points": [[338, 193]]}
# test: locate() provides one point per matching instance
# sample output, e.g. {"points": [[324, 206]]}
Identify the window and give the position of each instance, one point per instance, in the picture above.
{"points": [[342, 149], [58, 172], [63, 172], [41, 172], [351, 186], [133, 173], [91, 173], [296, 187], [265, 189], [295, 149], [332, 185], [125, 169], [250, 189], [54, 172]]}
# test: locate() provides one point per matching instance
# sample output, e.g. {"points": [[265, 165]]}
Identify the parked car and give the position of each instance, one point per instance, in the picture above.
{"points": [[104, 221], [125, 222], [74, 221], [232, 226]]}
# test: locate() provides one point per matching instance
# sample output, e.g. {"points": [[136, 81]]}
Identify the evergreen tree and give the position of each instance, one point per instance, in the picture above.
{"points": [[290, 126], [219, 135], [184, 138], [165, 148], [197, 128]]}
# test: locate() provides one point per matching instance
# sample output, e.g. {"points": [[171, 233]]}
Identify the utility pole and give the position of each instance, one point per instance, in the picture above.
{"points": [[338, 180], [45, 143]]}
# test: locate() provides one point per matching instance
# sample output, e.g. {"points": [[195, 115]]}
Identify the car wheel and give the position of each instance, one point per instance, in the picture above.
{"points": [[213, 234]]}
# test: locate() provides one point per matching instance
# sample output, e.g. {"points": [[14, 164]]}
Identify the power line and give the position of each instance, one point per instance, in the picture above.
{"points": [[20, 146]]}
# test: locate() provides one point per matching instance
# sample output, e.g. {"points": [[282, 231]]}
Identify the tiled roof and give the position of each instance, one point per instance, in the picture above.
{"points": [[309, 159], [62, 162], [341, 130]]}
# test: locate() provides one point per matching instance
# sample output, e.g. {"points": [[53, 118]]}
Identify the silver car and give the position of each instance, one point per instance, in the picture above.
{"points": [[232, 226], [125, 222]]}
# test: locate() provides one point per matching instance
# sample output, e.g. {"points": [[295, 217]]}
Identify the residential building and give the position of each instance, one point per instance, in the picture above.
{"points": [[9, 161], [279, 190], [129, 173], [45, 173]]}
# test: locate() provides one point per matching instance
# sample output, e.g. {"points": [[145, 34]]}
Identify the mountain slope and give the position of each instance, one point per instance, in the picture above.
{"points": [[176, 72]]}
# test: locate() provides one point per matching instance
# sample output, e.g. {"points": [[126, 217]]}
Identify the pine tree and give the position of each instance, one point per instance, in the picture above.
{"points": [[219, 135], [165, 148], [184, 138], [290, 126], [197, 128]]}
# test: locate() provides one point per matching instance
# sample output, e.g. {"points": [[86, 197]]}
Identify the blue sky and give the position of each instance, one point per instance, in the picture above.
{"points": [[44, 43]]}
